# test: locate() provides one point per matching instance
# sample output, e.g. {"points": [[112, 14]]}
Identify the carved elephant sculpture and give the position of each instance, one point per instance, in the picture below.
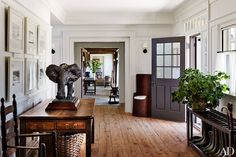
{"points": [[64, 75]]}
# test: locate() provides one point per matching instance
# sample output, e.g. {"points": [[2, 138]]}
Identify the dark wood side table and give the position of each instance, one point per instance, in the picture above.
{"points": [[87, 83], [61, 121]]}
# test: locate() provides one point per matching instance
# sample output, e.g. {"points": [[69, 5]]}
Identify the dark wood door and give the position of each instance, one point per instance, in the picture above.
{"points": [[168, 63]]}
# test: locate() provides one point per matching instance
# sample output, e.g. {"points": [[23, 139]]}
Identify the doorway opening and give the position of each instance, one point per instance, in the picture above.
{"points": [[108, 74], [100, 67]]}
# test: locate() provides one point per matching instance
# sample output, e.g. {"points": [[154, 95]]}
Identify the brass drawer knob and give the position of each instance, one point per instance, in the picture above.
{"points": [[67, 126]]}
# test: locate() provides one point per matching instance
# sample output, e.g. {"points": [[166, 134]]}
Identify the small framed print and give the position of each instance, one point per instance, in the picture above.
{"points": [[30, 37], [15, 77], [41, 74], [42, 41], [15, 31], [30, 75]]}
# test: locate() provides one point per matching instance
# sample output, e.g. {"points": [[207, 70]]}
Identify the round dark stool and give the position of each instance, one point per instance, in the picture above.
{"points": [[140, 106]]}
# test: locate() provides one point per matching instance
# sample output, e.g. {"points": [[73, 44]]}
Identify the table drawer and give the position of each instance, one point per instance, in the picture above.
{"points": [[67, 125], [40, 125]]}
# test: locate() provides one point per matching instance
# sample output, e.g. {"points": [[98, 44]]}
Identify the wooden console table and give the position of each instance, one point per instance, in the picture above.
{"points": [[61, 121]]}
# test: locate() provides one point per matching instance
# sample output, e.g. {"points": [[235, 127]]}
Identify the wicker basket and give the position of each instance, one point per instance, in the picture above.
{"points": [[69, 145]]}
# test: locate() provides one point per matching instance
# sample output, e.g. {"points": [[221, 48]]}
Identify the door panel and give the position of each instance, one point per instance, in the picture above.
{"points": [[167, 67], [174, 106], [159, 100]]}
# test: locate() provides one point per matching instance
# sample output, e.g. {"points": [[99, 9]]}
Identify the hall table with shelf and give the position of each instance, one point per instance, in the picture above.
{"points": [[218, 133], [62, 121]]}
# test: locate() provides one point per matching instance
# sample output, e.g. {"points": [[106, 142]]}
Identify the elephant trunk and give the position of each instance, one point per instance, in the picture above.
{"points": [[61, 86], [70, 90]]}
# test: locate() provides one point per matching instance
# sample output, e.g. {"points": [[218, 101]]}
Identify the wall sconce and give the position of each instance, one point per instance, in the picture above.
{"points": [[53, 51], [145, 46], [53, 48]]}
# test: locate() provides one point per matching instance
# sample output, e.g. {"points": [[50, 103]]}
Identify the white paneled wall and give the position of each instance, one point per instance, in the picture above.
{"points": [[220, 9], [206, 18], [132, 35], [144, 62], [190, 19], [40, 14]]}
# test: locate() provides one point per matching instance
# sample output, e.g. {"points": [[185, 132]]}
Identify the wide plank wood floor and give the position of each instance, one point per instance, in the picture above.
{"points": [[119, 134]]}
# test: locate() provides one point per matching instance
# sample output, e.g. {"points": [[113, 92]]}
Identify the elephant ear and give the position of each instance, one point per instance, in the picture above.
{"points": [[52, 72], [75, 72]]}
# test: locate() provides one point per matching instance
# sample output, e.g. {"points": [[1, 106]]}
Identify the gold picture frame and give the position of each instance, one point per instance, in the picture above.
{"points": [[15, 31]]}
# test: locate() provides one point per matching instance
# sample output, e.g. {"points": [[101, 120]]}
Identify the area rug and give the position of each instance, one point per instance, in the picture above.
{"points": [[101, 96]]}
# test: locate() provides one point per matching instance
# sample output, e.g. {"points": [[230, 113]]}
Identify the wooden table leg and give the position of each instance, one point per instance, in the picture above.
{"points": [[94, 87], [88, 138], [85, 87], [49, 148], [93, 130], [191, 126], [22, 152], [188, 127]]}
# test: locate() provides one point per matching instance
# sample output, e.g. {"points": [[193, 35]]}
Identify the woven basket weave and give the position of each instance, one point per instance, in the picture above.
{"points": [[69, 145]]}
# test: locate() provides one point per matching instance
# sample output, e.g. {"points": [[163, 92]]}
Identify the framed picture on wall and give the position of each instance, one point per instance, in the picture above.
{"points": [[30, 75], [42, 40], [14, 77], [30, 37], [41, 74], [15, 31]]}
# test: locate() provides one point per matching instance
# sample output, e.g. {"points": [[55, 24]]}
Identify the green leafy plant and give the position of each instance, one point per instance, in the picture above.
{"points": [[94, 65], [203, 90]]}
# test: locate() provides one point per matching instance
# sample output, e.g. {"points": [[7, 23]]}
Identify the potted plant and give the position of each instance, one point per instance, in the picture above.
{"points": [[201, 91], [94, 65]]}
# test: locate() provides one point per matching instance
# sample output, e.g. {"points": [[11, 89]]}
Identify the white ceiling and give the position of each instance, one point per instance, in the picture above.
{"points": [[119, 5], [115, 11]]}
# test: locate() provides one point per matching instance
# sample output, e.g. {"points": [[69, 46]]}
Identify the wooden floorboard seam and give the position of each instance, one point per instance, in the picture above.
{"points": [[119, 134]]}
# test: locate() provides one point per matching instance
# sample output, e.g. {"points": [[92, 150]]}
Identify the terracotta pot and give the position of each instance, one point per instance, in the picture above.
{"points": [[199, 106]]}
